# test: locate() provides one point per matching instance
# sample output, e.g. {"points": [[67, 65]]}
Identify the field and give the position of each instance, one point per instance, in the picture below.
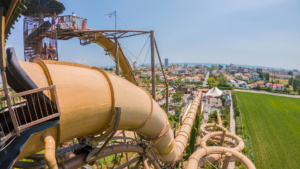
{"points": [[274, 126]]}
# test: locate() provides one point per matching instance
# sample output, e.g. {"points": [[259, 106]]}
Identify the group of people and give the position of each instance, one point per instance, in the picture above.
{"points": [[48, 53], [69, 22]]}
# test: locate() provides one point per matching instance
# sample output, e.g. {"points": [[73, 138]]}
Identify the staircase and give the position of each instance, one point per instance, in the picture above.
{"points": [[32, 42]]}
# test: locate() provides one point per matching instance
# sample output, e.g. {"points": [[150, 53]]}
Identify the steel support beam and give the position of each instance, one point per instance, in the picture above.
{"points": [[223, 137], [226, 161], [163, 71], [129, 162], [2, 39], [9, 104], [3, 73], [116, 56], [153, 64]]}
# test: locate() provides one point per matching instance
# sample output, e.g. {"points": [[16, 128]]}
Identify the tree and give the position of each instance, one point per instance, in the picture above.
{"points": [[257, 87], [163, 92], [157, 77], [178, 109], [222, 80], [264, 75], [177, 96], [267, 76], [211, 81], [193, 138], [261, 75], [213, 117], [291, 79], [163, 106], [296, 85], [290, 73], [297, 77]]}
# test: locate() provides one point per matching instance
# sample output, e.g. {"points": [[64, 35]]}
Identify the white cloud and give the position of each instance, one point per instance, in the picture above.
{"points": [[81, 61]]}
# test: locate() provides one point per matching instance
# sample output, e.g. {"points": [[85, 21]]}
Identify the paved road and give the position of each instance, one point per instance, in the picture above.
{"points": [[232, 117], [231, 128], [205, 80], [263, 92]]}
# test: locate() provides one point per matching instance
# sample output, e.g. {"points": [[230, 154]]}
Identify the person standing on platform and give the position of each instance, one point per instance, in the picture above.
{"points": [[73, 20]]}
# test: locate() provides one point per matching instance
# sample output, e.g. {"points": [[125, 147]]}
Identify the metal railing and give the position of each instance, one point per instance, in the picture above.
{"points": [[71, 22], [28, 108]]}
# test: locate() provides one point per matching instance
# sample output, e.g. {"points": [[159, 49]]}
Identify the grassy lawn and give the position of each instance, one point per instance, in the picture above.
{"points": [[274, 126], [283, 81]]}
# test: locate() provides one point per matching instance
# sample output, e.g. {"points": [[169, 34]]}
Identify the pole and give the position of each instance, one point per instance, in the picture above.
{"points": [[115, 20], [152, 64], [3, 73], [2, 39], [116, 56], [226, 160], [167, 99]]}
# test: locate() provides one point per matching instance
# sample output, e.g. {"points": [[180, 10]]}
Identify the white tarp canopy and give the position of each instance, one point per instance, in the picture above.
{"points": [[214, 92]]}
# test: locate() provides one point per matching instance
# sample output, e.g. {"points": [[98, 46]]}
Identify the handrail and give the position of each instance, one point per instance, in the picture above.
{"points": [[31, 91], [71, 16], [31, 109]]}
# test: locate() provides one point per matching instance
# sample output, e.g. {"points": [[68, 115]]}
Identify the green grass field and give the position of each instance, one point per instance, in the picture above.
{"points": [[274, 126]]}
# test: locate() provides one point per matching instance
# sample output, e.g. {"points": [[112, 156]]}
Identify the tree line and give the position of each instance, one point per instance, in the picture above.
{"points": [[295, 82]]}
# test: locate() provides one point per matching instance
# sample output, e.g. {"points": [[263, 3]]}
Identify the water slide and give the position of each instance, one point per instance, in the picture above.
{"points": [[88, 96], [208, 154], [109, 46]]}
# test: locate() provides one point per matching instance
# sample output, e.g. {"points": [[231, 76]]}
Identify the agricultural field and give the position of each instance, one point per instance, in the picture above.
{"points": [[273, 123]]}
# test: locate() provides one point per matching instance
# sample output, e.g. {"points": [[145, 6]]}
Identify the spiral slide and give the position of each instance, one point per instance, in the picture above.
{"points": [[206, 155]]}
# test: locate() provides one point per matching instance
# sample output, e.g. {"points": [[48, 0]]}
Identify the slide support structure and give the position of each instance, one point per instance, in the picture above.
{"points": [[152, 64], [117, 57], [49, 150]]}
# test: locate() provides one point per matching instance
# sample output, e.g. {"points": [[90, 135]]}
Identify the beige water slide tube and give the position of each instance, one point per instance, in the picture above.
{"points": [[88, 96], [109, 46]]}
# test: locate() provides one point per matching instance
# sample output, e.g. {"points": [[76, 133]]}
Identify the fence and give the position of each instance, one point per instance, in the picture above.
{"points": [[71, 22], [28, 108]]}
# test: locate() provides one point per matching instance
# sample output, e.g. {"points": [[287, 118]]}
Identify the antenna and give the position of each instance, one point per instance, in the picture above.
{"points": [[111, 15]]}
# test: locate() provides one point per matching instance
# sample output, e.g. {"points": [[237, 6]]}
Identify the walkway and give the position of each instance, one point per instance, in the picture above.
{"points": [[269, 93], [205, 80], [232, 127]]}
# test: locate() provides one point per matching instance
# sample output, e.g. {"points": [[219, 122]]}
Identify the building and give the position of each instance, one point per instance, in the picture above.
{"points": [[245, 77], [238, 74], [254, 76], [186, 66], [135, 65], [278, 87], [220, 67], [231, 68], [233, 83], [246, 70], [198, 66], [248, 75], [242, 84], [240, 69], [195, 79], [188, 79], [258, 69], [166, 62], [182, 71], [215, 67]]}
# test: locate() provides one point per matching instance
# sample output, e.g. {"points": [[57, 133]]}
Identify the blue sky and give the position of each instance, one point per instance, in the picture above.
{"points": [[249, 32]]}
